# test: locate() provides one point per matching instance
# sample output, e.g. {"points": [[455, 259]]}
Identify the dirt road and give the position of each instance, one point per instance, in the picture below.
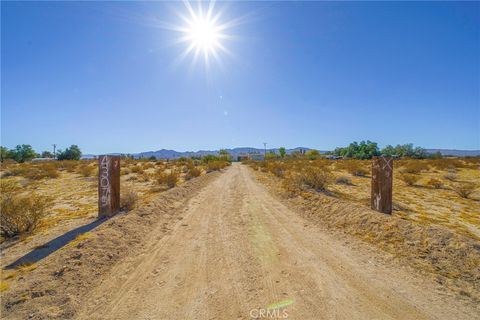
{"points": [[237, 251]]}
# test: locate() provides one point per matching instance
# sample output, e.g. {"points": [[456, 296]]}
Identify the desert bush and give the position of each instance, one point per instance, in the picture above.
{"points": [[292, 184], [41, 171], [464, 190], [68, 165], [450, 176], [193, 172], [413, 166], [144, 177], [148, 165], [128, 199], [315, 178], [20, 213], [169, 179], [136, 169], [435, 183], [276, 168], [343, 180], [124, 171], [216, 165], [409, 179], [86, 170]]}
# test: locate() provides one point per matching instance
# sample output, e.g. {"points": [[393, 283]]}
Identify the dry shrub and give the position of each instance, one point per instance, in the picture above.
{"points": [[144, 177], [316, 178], [413, 166], [292, 184], [68, 165], [464, 190], [20, 213], [344, 180], [216, 165], [137, 169], [450, 177], [86, 170], [128, 199], [148, 165], [39, 172], [193, 172], [169, 179], [124, 171], [276, 168], [409, 179], [435, 183]]}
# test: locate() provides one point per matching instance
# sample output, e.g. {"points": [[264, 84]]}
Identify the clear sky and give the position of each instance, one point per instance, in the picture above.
{"points": [[109, 76]]}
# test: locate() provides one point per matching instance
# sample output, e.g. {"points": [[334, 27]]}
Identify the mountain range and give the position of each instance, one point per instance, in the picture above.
{"points": [[172, 154]]}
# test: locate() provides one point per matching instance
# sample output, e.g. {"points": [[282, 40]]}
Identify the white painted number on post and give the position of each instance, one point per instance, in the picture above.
{"points": [[104, 182]]}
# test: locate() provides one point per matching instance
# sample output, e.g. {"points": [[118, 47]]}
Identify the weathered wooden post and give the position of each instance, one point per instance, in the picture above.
{"points": [[382, 183], [108, 185]]}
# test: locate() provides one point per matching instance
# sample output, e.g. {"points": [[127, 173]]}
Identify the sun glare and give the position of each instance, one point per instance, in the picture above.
{"points": [[202, 32]]}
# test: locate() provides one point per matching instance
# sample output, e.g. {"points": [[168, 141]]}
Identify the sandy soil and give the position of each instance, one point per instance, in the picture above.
{"points": [[225, 248], [238, 249]]}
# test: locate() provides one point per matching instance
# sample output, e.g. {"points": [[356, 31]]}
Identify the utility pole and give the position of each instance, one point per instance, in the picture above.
{"points": [[54, 147], [265, 154]]}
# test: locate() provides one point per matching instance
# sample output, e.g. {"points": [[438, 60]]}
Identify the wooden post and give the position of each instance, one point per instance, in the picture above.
{"points": [[108, 185], [382, 183]]}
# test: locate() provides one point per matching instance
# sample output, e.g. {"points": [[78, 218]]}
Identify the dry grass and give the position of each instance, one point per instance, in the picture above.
{"points": [[40, 201], [86, 170], [432, 229], [431, 202], [128, 199]]}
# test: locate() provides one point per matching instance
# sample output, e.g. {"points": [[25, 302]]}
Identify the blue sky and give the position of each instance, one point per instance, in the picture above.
{"points": [[107, 76]]}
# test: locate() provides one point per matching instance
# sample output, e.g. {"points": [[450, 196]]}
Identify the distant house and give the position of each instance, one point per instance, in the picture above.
{"points": [[243, 157], [250, 156], [256, 156]]}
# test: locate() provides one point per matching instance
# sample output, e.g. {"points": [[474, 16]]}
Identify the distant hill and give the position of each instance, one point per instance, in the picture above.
{"points": [[172, 154]]}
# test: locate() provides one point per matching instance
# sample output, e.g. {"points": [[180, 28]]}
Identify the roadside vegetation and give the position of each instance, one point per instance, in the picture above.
{"points": [[38, 195], [440, 191]]}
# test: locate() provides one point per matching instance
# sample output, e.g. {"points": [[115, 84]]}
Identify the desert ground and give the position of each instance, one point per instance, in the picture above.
{"points": [[249, 241]]}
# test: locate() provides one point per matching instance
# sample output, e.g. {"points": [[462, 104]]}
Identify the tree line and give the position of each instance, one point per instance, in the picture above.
{"points": [[25, 152]]}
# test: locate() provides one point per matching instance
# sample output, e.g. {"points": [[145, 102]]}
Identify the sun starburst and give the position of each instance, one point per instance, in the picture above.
{"points": [[202, 32]]}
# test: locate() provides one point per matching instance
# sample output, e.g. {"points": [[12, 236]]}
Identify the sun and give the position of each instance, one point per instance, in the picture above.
{"points": [[202, 32]]}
